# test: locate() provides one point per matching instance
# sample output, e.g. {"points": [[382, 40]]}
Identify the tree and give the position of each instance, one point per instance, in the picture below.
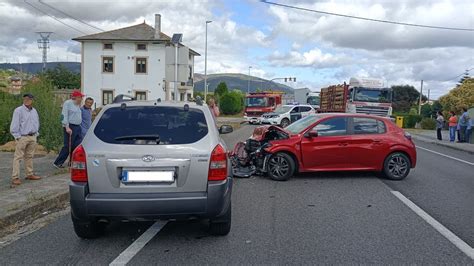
{"points": [[63, 78], [426, 110], [459, 97], [221, 89], [464, 77], [231, 103], [405, 97]]}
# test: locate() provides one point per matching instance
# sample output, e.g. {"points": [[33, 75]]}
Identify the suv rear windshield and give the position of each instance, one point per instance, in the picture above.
{"points": [[151, 125]]}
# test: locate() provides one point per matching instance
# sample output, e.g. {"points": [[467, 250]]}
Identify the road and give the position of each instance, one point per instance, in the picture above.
{"points": [[336, 218]]}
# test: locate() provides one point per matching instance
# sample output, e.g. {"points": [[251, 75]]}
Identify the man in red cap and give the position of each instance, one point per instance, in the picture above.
{"points": [[71, 122]]}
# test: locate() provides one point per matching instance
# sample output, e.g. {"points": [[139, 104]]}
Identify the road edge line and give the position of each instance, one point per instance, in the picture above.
{"points": [[447, 156], [454, 239], [138, 244]]}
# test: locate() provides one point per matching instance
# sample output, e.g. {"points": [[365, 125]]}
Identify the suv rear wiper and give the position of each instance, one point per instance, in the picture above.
{"points": [[141, 137]]}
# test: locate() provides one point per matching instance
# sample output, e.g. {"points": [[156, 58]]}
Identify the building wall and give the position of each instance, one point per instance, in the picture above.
{"points": [[123, 80]]}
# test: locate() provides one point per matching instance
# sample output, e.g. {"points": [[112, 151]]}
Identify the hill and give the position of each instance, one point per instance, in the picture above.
{"points": [[238, 81], [34, 68]]}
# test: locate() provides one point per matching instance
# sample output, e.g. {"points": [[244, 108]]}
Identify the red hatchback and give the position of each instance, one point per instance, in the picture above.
{"points": [[328, 142]]}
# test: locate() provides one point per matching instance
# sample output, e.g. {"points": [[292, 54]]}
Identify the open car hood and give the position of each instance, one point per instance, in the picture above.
{"points": [[260, 132]]}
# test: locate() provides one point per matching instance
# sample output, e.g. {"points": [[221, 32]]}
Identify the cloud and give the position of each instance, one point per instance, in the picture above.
{"points": [[313, 58]]}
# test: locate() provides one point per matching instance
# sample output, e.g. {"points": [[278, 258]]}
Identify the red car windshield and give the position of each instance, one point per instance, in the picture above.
{"points": [[300, 125]]}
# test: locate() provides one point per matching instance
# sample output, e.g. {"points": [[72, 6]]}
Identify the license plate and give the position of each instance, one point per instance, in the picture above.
{"points": [[147, 176]]}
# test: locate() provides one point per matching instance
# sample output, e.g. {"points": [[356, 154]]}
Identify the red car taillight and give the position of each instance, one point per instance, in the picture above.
{"points": [[78, 165], [218, 164]]}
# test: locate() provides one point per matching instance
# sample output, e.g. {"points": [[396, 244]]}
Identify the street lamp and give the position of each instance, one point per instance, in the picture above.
{"points": [[248, 83], [205, 64]]}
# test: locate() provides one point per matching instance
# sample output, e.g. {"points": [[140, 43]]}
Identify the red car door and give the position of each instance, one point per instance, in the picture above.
{"points": [[328, 150], [368, 143]]}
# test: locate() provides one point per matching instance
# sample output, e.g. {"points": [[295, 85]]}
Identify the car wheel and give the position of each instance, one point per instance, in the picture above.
{"points": [[221, 227], [87, 229], [396, 166], [284, 122], [281, 167]]}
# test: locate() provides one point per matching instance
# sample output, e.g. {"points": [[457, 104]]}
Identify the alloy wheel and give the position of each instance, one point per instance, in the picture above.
{"points": [[398, 166], [279, 166]]}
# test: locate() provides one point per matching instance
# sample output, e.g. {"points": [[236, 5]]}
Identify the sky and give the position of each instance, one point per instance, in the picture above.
{"points": [[276, 42]]}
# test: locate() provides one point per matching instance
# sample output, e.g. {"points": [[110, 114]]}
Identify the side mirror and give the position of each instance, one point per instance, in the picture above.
{"points": [[311, 134], [225, 129]]}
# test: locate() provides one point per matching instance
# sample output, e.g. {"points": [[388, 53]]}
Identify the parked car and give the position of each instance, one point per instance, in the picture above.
{"points": [[327, 142], [151, 160], [286, 114]]}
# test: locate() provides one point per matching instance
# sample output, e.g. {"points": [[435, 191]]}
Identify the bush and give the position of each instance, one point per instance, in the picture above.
{"points": [[8, 103], [231, 103], [49, 111], [410, 120], [428, 123]]}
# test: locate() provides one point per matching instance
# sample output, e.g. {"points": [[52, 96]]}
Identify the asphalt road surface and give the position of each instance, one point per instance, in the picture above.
{"points": [[337, 218]]}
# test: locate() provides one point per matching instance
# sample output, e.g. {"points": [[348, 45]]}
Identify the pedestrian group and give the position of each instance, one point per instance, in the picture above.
{"points": [[25, 125]]}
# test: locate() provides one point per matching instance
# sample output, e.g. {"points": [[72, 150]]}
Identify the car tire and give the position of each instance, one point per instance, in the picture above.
{"points": [[281, 167], [222, 225], [87, 229], [396, 166], [284, 122]]}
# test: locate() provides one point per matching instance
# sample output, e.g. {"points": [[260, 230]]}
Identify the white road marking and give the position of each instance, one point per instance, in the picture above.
{"points": [[447, 156], [138, 244], [459, 243]]}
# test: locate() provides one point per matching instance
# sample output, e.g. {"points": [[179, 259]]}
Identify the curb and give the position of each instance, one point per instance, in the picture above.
{"points": [[420, 138], [9, 223]]}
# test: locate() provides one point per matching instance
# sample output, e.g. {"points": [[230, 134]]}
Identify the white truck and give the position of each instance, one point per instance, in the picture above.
{"points": [[306, 96]]}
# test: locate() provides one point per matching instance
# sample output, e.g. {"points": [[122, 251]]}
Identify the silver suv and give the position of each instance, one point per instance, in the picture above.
{"points": [[148, 161]]}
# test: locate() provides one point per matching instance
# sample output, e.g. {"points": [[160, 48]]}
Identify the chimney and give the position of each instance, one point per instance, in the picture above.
{"points": [[157, 26]]}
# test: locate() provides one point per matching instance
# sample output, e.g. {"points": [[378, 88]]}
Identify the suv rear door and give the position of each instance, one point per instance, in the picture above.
{"points": [[158, 139]]}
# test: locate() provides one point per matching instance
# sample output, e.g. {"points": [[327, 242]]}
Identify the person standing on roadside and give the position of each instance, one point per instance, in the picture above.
{"points": [[24, 128], [86, 111], [214, 108], [71, 122], [453, 124], [469, 130], [439, 125], [463, 123]]}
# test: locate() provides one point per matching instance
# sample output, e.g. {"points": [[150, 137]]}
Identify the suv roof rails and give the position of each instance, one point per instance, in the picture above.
{"points": [[123, 98]]}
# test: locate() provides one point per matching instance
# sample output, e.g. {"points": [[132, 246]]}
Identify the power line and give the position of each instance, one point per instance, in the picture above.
{"points": [[70, 16], [53, 17], [367, 19], [465, 72]]}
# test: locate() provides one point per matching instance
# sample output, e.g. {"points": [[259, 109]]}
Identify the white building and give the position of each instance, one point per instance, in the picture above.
{"points": [[137, 61]]}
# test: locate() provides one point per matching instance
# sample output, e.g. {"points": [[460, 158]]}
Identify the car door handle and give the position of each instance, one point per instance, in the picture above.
{"points": [[377, 141], [343, 144]]}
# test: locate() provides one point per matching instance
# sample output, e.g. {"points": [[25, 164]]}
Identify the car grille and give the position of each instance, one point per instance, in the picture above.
{"points": [[372, 110], [253, 114]]}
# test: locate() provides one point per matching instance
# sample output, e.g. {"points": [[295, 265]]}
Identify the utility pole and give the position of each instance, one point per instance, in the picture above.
{"points": [[421, 96], [248, 82], [43, 44], [429, 95], [205, 65]]}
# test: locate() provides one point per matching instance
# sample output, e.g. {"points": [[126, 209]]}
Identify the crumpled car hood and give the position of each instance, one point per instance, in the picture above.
{"points": [[259, 132]]}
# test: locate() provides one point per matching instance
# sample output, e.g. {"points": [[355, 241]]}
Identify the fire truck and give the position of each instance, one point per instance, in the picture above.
{"points": [[258, 103]]}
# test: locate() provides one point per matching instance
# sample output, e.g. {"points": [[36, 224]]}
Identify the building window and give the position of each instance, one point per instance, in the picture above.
{"points": [[108, 64], [108, 46], [107, 97], [140, 95], [141, 46], [140, 65]]}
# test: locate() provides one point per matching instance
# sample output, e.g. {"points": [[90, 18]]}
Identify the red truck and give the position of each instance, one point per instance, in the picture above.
{"points": [[258, 103]]}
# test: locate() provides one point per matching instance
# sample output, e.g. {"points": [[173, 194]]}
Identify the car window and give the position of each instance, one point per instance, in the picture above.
{"points": [[332, 127], [151, 125], [381, 126], [305, 108], [363, 125], [295, 109], [302, 124]]}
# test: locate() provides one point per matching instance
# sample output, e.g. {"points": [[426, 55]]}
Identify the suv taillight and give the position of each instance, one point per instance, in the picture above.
{"points": [[78, 165], [218, 164]]}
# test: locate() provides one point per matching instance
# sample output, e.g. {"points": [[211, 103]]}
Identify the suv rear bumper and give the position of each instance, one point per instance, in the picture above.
{"points": [[210, 204]]}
